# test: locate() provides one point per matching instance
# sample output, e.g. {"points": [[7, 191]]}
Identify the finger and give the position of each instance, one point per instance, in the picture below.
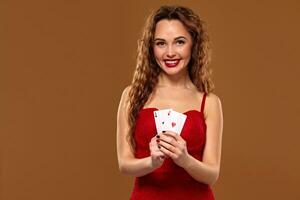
{"points": [[172, 148], [153, 143], [159, 151], [158, 141], [159, 154], [173, 134], [162, 158], [156, 148], [180, 142], [169, 139], [167, 152]]}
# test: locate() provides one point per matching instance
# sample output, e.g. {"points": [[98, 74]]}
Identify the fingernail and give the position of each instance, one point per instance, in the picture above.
{"points": [[158, 146], [157, 136], [157, 141], [163, 131]]}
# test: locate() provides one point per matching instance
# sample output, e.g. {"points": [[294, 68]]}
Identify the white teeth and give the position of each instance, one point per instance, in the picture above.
{"points": [[172, 62]]}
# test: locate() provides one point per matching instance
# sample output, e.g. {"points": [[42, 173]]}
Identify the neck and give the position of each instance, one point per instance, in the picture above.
{"points": [[181, 80]]}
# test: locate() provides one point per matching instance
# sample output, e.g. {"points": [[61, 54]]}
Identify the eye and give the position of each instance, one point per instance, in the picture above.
{"points": [[180, 42], [160, 43]]}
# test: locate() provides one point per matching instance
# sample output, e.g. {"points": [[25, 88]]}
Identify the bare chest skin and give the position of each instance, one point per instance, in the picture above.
{"points": [[179, 99]]}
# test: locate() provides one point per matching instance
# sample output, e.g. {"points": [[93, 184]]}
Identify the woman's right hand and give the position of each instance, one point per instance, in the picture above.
{"points": [[157, 157]]}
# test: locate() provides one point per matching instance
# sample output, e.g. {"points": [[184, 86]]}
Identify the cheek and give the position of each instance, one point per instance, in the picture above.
{"points": [[186, 52], [158, 53]]}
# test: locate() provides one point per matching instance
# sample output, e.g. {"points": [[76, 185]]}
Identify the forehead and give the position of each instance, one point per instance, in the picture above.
{"points": [[170, 28]]}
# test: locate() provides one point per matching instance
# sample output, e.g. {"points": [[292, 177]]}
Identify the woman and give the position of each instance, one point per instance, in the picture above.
{"points": [[172, 72]]}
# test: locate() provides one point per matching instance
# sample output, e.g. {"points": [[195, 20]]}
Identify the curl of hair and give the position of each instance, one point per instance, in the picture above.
{"points": [[145, 76]]}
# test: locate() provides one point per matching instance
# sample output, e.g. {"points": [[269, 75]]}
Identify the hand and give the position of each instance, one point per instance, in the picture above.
{"points": [[174, 146], [157, 157]]}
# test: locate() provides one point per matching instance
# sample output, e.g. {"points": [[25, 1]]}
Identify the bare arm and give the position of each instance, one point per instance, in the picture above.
{"points": [[128, 164], [207, 171], [174, 146]]}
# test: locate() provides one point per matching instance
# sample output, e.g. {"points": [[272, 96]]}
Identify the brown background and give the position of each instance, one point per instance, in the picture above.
{"points": [[64, 65]]}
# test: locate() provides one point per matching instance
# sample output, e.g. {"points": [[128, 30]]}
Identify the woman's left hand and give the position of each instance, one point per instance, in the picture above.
{"points": [[174, 146]]}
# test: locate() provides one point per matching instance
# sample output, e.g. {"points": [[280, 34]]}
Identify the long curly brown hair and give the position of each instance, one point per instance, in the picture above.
{"points": [[145, 76]]}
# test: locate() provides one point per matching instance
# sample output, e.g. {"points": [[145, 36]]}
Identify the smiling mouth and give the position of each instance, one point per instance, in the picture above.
{"points": [[171, 63]]}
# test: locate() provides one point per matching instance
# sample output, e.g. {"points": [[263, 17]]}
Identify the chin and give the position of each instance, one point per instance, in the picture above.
{"points": [[172, 71]]}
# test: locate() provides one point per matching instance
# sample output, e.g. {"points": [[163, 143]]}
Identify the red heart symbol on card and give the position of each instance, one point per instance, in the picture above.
{"points": [[173, 124]]}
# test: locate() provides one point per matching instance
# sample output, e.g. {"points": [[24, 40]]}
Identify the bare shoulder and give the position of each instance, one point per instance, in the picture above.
{"points": [[213, 104], [124, 96], [212, 97], [126, 92]]}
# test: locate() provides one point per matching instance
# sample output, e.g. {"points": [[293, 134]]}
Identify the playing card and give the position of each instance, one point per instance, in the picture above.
{"points": [[176, 121], [162, 118]]}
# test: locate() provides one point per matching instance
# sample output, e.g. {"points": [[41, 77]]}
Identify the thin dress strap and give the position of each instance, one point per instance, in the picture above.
{"points": [[203, 102]]}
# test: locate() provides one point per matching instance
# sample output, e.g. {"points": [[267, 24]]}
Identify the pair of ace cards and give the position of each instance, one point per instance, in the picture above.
{"points": [[169, 120]]}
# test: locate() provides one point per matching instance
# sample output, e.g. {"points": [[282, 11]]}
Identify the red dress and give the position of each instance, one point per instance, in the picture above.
{"points": [[171, 181]]}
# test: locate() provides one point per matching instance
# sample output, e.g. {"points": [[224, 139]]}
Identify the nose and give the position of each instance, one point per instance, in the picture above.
{"points": [[170, 52]]}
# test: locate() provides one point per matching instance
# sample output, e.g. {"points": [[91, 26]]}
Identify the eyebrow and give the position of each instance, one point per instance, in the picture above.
{"points": [[175, 38]]}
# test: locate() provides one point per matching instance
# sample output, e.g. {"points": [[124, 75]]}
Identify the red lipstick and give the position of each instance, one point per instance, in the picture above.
{"points": [[171, 63]]}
